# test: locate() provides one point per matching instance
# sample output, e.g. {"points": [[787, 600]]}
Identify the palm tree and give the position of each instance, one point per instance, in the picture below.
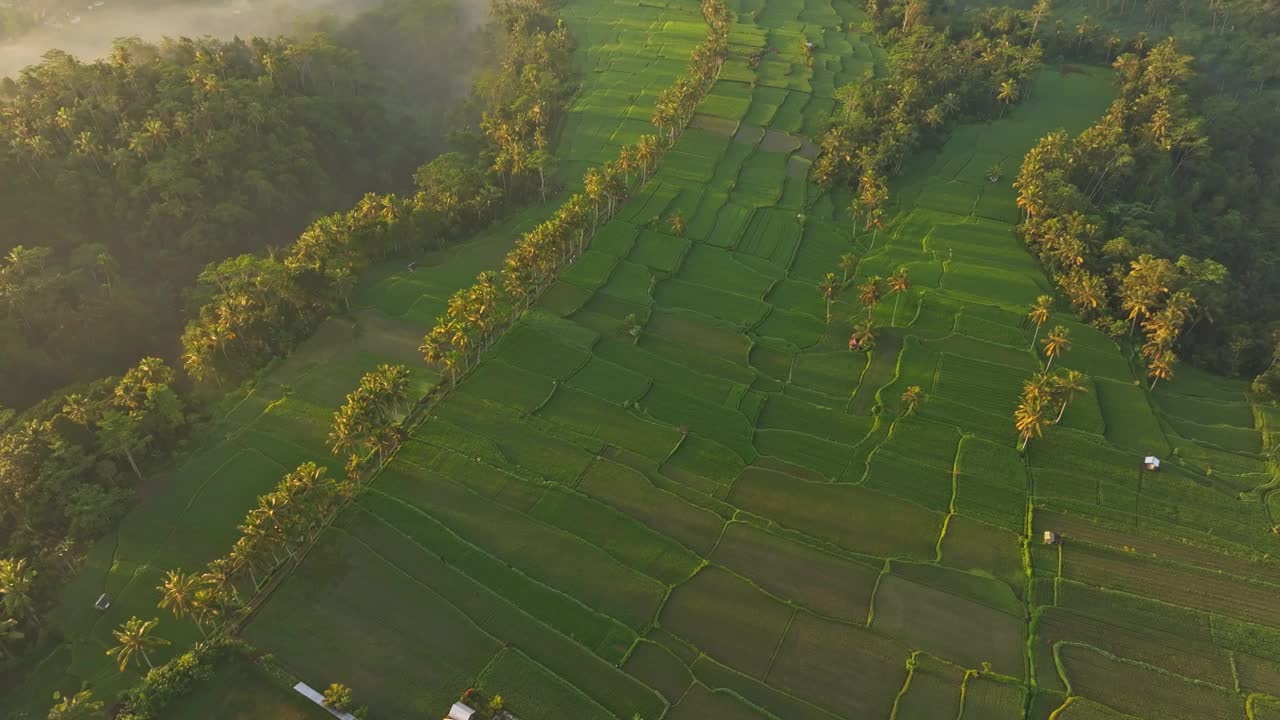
{"points": [[846, 264], [80, 706], [1029, 420], [1160, 367], [135, 637], [1038, 13], [16, 578], [1039, 386], [829, 288], [869, 293], [864, 334], [1007, 94], [911, 399], [678, 224], [1055, 343], [1065, 386], [899, 282], [1039, 315], [178, 593]]}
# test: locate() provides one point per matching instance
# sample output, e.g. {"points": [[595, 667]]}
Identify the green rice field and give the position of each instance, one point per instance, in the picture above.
{"points": [[730, 516]]}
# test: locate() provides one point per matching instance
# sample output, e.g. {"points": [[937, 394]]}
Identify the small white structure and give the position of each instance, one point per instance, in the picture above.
{"points": [[103, 602], [311, 694], [1151, 462], [460, 711], [1052, 538]]}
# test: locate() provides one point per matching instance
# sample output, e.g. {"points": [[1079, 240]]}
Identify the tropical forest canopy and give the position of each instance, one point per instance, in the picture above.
{"points": [[120, 178]]}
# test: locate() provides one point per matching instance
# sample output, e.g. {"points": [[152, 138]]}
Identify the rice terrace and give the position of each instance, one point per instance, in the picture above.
{"points": [[774, 424]]}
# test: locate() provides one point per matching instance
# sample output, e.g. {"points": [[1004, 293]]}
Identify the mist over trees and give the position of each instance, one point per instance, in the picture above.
{"points": [[120, 178]]}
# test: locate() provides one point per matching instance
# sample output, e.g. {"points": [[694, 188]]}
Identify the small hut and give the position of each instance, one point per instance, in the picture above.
{"points": [[1151, 462], [853, 342], [1052, 538], [460, 711], [102, 603]]}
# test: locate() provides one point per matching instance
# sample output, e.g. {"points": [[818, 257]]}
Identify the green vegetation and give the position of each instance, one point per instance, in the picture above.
{"points": [[644, 472]]}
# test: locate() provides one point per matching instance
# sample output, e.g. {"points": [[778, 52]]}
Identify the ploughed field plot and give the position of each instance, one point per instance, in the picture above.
{"points": [[729, 515]]}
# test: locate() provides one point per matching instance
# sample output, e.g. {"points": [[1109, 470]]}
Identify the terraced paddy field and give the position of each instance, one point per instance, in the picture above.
{"points": [[729, 516]]}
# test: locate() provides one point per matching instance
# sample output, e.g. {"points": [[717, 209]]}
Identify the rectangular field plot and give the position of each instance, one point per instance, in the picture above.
{"points": [[993, 700], [1161, 647], [810, 451], [818, 657], [536, 549], [822, 582], [1203, 410], [1185, 586], [392, 640], [894, 474], [853, 517], [1130, 421], [949, 626], [631, 492], [535, 692], [991, 484], [727, 618], [782, 412], [558, 651], [589, 415], [703, 704], [982, 385], [717, 268], [1144, 693], [934, 691], [984, 550]]}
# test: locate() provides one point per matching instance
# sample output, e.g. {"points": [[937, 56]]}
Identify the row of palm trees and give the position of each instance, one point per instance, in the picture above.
{"points": [[257, 307], [870, 292], [284, 521], [477, 315], [366, 423]]}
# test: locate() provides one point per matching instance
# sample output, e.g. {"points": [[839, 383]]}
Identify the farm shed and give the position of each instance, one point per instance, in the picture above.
{"points": [[1151, 462], [460, 711], [1052, 538]]}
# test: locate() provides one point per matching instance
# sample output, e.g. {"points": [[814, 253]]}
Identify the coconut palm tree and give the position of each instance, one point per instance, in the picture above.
{"points": [[1055, 343], [135, 638], [80, 706], [1029, 420], [870, 292], [846, 264], [16, 600], [178, 594], [899, 282], [864, 333], [1160, 367], [1039, 315], [911, 399], [1007, 94], [678, 224], [1040, 386], [829, 289], [1065, 387]]}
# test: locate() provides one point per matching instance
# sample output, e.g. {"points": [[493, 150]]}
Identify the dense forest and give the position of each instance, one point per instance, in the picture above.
{"points": [[121, 178], [71, 464]]}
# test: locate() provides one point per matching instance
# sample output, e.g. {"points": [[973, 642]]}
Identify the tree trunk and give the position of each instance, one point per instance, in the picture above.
{"points": [[132, 463], [894, 322], [1061, 412], [1034, 336], [147, 659]]}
